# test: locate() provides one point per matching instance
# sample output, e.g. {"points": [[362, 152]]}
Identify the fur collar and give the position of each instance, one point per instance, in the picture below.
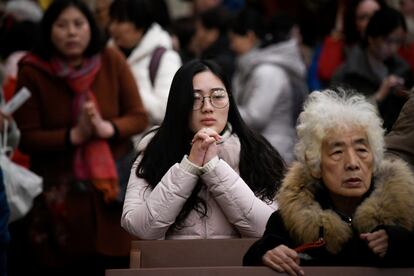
{"points": [[390, 203]]}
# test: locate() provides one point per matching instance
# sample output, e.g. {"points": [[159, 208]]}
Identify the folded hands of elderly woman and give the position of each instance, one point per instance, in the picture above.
{"points": [[377, 241]]}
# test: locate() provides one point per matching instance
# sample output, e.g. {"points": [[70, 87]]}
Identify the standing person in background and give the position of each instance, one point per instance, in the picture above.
{"points": [[351, 21], [194, 177], [134, 31], [270, 79], [211, 40], [406, 7], [374, 67], [77, 129]]}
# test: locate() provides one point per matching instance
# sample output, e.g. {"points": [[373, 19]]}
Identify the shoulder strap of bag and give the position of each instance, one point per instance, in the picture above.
{"points": [[155, 62]]}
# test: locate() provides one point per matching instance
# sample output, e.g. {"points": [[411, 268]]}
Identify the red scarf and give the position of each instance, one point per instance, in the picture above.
{"points": [[93, 160]]}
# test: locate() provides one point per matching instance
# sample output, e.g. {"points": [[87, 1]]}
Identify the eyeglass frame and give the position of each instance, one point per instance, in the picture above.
{"points": [[211, 102]]}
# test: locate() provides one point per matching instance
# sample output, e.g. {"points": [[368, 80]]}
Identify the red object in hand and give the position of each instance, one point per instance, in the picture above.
{"points": [[302, 248]]}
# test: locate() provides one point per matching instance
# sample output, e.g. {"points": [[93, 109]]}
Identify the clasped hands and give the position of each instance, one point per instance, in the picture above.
{"points": [[90, 125], [284, 259], [204, 146]]}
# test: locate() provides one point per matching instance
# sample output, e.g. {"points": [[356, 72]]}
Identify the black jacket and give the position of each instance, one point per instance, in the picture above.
{"points": [[305, 216]]}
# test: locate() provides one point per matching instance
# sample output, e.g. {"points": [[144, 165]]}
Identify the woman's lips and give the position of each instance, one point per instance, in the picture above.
{"points": [[72, 44], [353, 182], [208, 121]]}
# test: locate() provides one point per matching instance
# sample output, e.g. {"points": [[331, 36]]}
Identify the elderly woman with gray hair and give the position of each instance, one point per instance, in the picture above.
{"points": [[342, 203]]}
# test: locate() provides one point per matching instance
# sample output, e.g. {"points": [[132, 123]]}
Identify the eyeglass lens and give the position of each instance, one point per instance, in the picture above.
{"points": [[218, 99]]}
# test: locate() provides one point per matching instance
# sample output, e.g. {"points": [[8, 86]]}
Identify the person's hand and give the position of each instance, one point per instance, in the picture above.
{"points": [[211, 151], [101, 128], [83, 130], [200, 152], [386, 85], [283, 259], [377, 241]]}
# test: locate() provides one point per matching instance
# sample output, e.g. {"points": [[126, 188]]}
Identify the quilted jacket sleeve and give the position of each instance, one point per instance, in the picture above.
{"points": [[242, 208], [148, 213]]}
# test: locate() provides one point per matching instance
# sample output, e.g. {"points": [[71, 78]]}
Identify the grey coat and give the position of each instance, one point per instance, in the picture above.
{"points": [[270, 87]]}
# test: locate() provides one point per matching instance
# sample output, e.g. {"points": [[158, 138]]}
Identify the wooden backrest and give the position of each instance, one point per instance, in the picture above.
{"points": [[260, 271], [188, 253]]}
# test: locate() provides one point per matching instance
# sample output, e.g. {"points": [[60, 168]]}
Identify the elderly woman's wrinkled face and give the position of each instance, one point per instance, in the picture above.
{"points": [[347, 162]]}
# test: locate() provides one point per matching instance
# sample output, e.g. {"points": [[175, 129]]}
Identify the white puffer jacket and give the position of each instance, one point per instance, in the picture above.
{"points": [[233, 209], [154, 97]]}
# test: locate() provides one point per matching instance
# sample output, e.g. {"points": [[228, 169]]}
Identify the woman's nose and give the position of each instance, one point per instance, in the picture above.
{"points": [[351, 160], [207, 106]]}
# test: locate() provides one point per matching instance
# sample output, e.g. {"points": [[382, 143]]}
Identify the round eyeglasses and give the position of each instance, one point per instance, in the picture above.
{"points": [[218, 99]]}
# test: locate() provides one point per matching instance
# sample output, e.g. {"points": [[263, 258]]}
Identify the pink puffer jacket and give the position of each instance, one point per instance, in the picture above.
{"points": [[233, 209]]}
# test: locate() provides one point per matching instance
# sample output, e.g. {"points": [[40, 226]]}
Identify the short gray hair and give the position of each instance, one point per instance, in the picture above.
{"points": [[328, 110]]}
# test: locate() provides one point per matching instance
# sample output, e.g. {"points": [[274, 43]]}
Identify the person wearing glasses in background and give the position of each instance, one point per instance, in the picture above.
{"points": [[374, 67], [203, 173]]}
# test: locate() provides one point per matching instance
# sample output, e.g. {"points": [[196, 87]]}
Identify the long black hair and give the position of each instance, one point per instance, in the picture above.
{"points": [[45, 47], [261, 166]]}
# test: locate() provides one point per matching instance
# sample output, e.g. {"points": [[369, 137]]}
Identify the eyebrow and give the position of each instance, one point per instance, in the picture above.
{"points": [[360, 141], [212, 89]]}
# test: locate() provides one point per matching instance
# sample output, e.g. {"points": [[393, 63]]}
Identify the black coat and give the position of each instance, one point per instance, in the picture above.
{"points": [[306, 215], [354, 253]]}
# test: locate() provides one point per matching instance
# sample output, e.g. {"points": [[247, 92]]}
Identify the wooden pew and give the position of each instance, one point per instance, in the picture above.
{"points": [[188, 253], [260, 271]]}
